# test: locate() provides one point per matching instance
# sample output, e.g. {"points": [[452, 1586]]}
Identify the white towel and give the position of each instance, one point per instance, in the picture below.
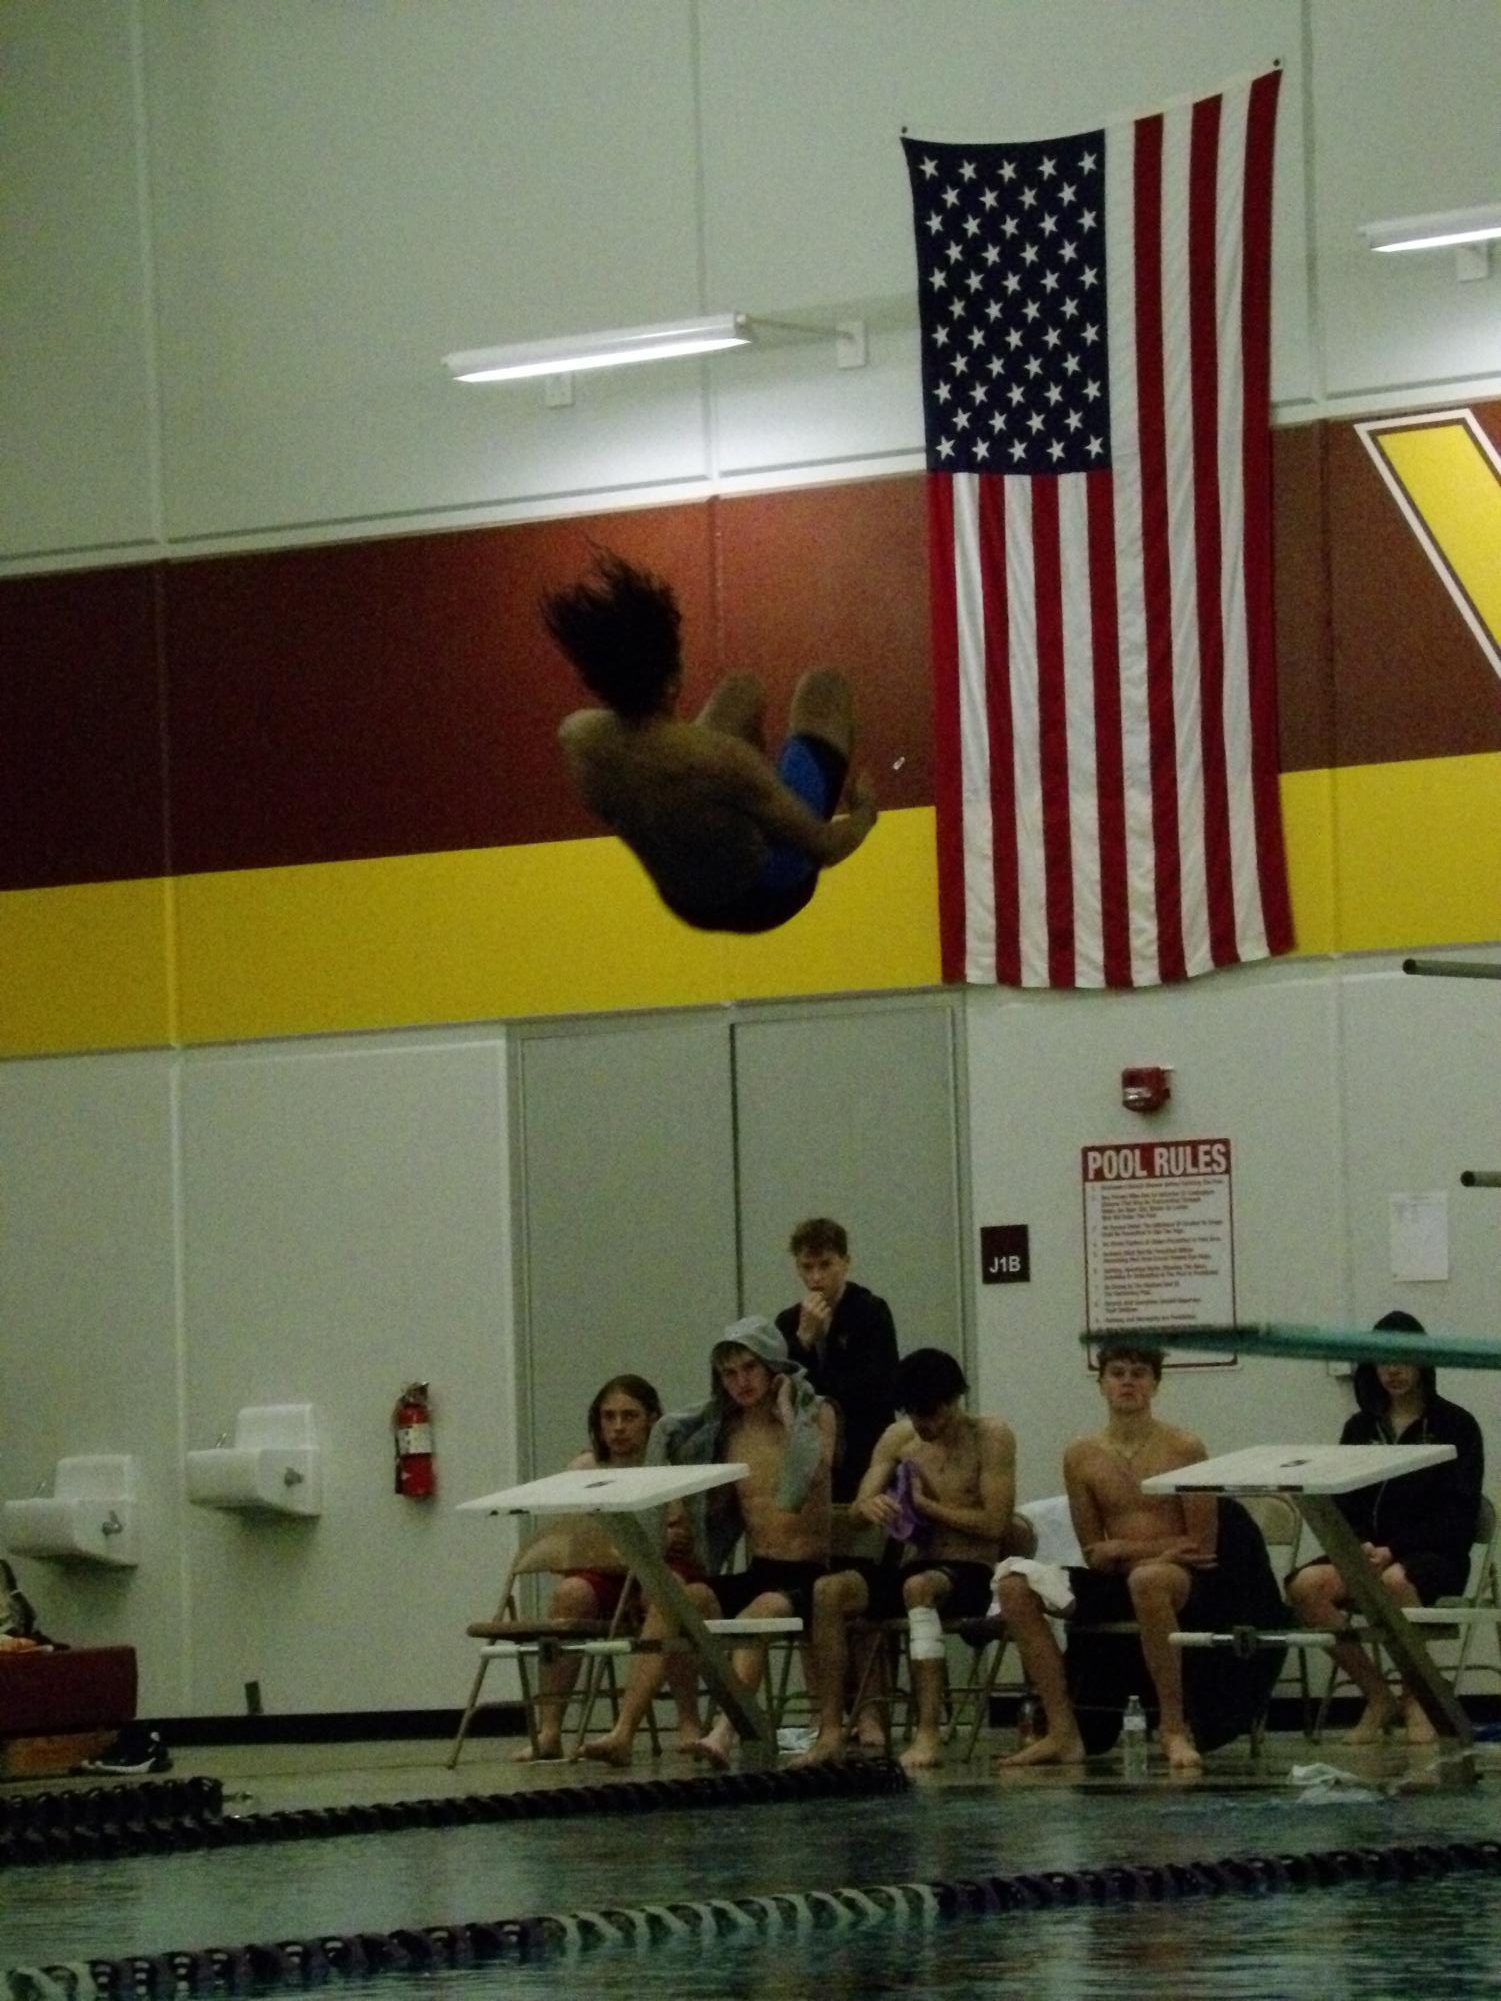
{"points": [[1048, 1580]]}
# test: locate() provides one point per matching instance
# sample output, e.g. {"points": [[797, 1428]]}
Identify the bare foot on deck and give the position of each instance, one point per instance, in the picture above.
{"points": [[827, 1748], [711, 1750], [611, 1750], [1056, 1748], [1181, 1751], [1374, 1724], [869, 1733], [547, 1749], [923, 1754], [688, 1737], [1417, 1727]]}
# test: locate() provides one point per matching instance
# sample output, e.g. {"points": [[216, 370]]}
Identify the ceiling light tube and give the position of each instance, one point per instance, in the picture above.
{"points": [[621, 346], [1435, 232]]}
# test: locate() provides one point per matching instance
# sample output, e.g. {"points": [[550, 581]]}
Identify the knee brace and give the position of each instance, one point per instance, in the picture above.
{"points": [[925, 1632]]}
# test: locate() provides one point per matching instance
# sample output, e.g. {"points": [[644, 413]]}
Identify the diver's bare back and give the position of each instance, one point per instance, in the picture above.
{"points": [[1114, 1483], [683, 798]]}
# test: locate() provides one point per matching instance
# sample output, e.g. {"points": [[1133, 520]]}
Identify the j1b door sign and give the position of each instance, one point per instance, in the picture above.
{"points": [[1005, 1254]]}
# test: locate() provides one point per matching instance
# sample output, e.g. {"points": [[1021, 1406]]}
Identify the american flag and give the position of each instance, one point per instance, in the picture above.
{"points": [[1095, 356]]}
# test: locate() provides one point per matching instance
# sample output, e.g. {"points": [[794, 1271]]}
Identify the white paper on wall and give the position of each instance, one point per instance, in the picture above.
{"points": [[1420, 1235]]}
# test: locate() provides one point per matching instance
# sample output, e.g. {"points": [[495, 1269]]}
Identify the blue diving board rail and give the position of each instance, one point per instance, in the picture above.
{"points": [[1259, 1340]]}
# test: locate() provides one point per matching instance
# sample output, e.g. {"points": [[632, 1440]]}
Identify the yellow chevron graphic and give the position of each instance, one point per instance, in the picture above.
{"points": [[1445, 475]]}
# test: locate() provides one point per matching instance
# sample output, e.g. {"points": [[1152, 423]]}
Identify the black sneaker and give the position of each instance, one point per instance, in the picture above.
{"points": [[134, 1753]]}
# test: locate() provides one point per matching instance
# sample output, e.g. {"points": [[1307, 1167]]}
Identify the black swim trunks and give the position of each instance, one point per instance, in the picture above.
{"points": [[795, 1581], [968, 1594]]}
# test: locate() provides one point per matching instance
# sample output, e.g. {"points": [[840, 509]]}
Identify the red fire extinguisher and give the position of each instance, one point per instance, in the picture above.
{"points": [[412, 1428]]}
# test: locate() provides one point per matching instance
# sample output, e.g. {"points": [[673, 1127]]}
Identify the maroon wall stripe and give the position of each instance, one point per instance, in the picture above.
{"points": [[80, 729], [397, 696]]}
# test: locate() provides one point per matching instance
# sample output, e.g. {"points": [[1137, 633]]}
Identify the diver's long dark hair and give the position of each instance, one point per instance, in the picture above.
{"points": [[619, 626]]}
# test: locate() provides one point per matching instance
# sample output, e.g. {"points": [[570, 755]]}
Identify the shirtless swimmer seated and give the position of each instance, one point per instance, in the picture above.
{"points": [[764, 1413], [945, 1483], [1143, 1555], [732, 842]]}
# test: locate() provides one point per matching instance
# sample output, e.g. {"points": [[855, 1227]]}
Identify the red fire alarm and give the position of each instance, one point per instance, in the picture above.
{"points": [[1146, 1090]]}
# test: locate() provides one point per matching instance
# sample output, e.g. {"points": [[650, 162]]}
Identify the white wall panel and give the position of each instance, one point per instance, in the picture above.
{"points": [[1405, 116], [626, 1168], [76, 415], [88, 1347], [346, 1231], [851, 1113], [348, 192], [1421, 1104], [1255, 1056]]}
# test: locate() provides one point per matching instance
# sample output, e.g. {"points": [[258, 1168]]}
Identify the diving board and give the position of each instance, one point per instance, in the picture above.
{"points": [[1274, 1341]]}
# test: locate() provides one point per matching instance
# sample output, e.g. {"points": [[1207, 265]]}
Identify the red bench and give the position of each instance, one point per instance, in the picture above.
{"points": [[58, 1708]]}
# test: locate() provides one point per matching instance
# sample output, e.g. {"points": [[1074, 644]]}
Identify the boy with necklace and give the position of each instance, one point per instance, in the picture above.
{"points": [[1143, 1554]]}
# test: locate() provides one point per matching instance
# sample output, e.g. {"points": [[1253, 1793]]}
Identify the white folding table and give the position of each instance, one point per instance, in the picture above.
{"points": [[1310, 1476], [630, 1499]]}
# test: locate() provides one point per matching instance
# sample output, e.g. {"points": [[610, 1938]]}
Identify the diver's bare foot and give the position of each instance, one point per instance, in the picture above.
{"points": [[1416, 1726], [611, 1750], [547, 1749], [1058, 1747], [1378, 1719], [688, 1737], [711, 1750], [1181, 1750], [827, 1748], [923, 1754]]}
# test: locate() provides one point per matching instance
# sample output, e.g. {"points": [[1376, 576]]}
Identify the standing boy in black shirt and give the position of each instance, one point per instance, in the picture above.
{"points": [[843, 1335]]}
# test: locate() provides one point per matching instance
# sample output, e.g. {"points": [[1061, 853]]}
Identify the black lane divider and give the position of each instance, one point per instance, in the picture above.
{"points": [[89, 1810], [303, 1962], [146, 1826]]}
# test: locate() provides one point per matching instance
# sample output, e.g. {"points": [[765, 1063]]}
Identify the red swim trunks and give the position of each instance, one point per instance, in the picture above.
{"points": [[607, 1585]]}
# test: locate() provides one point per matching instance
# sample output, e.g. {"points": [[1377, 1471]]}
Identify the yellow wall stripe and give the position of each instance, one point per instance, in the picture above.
{"points": [[86, 966], [1308, 833], [1419, 847], [560, 927], [1381, 857], [1449, 486]]}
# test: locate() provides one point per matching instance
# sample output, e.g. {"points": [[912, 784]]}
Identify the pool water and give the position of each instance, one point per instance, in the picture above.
{"points": [[1436, 1938]]}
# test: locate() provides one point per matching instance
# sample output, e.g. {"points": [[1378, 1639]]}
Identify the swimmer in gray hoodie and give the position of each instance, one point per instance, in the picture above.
{"points": [[762, 1412]]}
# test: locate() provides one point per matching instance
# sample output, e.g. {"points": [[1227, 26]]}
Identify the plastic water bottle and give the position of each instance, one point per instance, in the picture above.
{"points": [[1028, 1722], [1134, 1740]]}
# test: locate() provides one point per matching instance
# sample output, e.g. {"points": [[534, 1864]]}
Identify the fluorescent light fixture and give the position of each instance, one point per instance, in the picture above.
{"points": [[1435, 232], [573, 352]]}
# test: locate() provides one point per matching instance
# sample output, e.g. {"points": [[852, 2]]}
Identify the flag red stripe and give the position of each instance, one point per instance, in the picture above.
{"points": [[1256, 316], [1110, 772], [947, 778], [1204, 371], [1052, 732], [1156, 572], [1005, 864]]}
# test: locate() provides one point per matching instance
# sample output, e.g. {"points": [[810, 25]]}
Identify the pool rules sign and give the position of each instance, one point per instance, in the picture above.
{"points": [[1159, 1236]]}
